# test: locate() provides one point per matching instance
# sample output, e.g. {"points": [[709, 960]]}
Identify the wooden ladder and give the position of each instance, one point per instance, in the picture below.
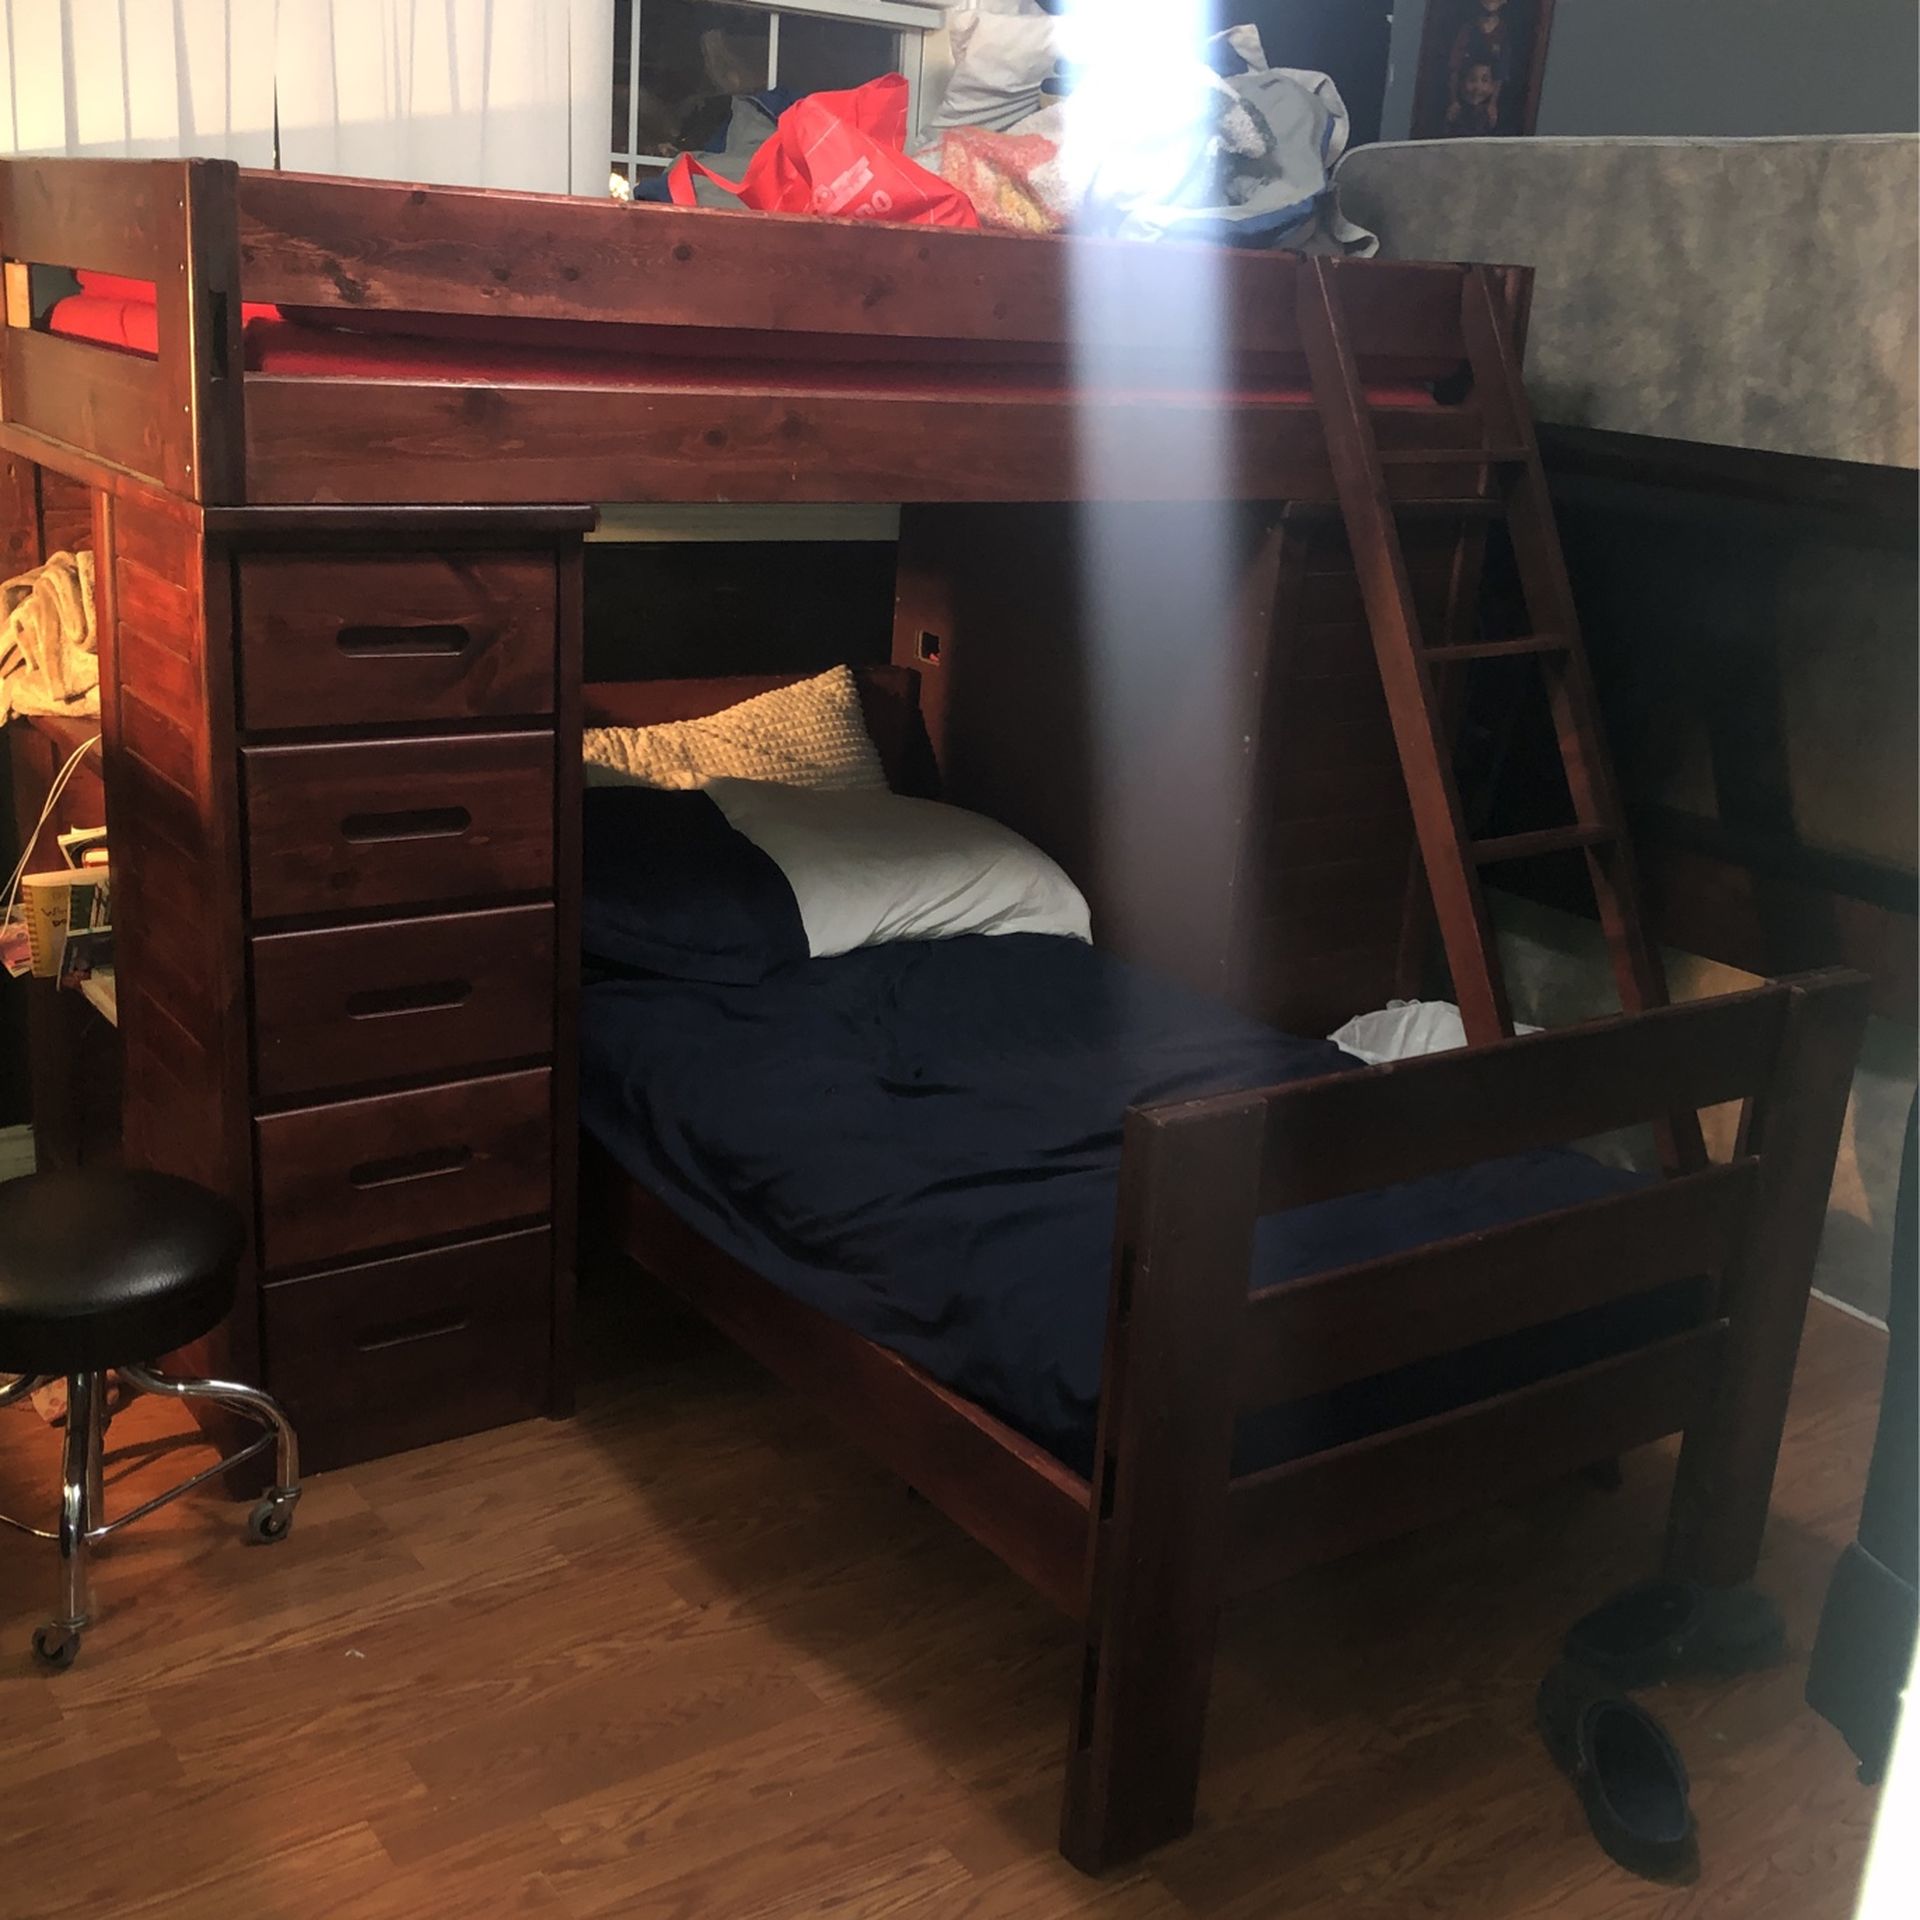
{"points": [[1509, 458]]}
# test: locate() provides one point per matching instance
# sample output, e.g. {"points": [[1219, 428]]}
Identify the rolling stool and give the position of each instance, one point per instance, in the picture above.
{"points": [[98, 1270]]}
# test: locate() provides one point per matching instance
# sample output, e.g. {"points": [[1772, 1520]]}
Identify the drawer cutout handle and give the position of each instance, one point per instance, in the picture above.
{"points": [[402, 643], [405, 1333], [429, 1163], [427, 996], [406, 823]]}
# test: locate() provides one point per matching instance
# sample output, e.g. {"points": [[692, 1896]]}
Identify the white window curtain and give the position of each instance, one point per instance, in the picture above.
{"points": [[483, 93], [120, 78], [496, 93]]}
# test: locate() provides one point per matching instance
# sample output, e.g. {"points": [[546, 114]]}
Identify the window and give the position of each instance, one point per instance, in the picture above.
{"points": [[677, 64]]}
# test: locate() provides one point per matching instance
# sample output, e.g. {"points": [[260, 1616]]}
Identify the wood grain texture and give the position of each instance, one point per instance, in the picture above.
{"points": [[400, 527], [336, 1007], [1449, 1110], [395, 1353], [174, 418], [1400, 652], [1194, 1178], [108, 406], [1794, 1124], [346, 639], [1333, 1503], [1306, 1336], [1010, 1494], [1638, 968], [312, 439], [1231, 806], [369, 246], [344, 827], [1156, 1552], [173, 815], [20, 527], [358, 1175], [564, 1001], [1058, 707], [66, 514], [114, 216], [692, 1655]]}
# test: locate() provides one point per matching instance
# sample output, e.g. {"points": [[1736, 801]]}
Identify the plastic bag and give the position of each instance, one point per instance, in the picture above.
{"points": [[840, 154], [1404, 1030]]}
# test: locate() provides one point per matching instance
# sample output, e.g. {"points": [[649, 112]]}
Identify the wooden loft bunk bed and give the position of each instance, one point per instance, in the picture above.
{"points": [[335, 437]]}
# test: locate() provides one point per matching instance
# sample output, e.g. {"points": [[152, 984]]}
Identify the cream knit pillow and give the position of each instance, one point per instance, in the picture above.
{"points": [[809, 735]]}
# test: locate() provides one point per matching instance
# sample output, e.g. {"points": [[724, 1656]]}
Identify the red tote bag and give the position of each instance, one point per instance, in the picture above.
{"points": [[840, 154]]}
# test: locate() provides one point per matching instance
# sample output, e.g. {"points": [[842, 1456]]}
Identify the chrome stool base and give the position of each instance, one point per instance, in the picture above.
{"points": [[83, 1521]]}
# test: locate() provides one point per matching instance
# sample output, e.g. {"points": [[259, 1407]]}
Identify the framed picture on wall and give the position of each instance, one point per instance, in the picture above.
{"points": [[1481, 62]]}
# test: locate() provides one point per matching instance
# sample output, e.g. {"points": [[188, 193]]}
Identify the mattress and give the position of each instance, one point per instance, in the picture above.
{"points": [[111, 310], [922, 1141]]}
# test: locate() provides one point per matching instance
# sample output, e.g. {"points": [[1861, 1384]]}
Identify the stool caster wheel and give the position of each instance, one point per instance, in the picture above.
{"points": [[272, 1519], [56, 1647]]}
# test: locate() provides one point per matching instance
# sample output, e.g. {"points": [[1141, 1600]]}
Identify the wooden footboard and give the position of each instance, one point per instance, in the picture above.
{"points": [[1189, 1350], [1145, 1554]]}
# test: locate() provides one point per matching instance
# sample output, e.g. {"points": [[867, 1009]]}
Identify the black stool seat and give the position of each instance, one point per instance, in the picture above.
{"points": [[110, 1268]]}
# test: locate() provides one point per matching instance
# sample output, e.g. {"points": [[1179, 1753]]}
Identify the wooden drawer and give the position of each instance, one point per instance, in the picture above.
{"points": [[344, 639], [344, 1005], [395, 1353], [361, 1174], [397, 822]]}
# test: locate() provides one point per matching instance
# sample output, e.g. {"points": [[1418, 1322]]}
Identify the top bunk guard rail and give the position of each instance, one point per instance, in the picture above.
{"points": [[173, 420], [368, 246], [747, 357]]}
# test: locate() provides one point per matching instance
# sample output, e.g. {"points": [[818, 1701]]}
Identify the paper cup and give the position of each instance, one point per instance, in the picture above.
{"points": [[47, 900]]}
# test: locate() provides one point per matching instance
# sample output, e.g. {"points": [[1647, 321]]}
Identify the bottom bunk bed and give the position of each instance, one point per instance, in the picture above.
{"points": [[1158, 1303]]}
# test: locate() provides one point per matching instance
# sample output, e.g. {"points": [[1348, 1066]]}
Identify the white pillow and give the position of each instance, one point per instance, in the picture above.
{"points": [[812, 734], [867, 868]]}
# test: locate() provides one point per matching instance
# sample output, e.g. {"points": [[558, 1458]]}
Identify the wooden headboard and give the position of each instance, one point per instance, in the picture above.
{"points": [[889, 698]]}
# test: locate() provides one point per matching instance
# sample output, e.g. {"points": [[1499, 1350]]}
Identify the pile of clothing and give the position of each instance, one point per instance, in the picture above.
{"points": [[1086, 121], [1050, 122], [49, 650]]}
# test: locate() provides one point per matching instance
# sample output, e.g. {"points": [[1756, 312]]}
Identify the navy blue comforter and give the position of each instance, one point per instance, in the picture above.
{"points": [[923, 1140]]}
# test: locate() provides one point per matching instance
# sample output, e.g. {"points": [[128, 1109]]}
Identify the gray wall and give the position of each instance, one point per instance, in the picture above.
{"points": [[1732, 67]]}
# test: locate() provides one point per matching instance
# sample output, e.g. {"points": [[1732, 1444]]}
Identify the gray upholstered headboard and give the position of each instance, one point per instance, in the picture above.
{"points": [[1746, 293]]}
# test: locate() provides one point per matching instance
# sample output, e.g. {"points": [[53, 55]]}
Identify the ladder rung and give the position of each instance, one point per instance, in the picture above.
{"points": [[1522, 846], [1419, 506], [1454, 456], [1502, 649], [1477, 506]]}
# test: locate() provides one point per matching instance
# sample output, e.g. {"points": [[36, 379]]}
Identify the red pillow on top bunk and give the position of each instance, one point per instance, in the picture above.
{"points": [[113, 286], [115, 310]]}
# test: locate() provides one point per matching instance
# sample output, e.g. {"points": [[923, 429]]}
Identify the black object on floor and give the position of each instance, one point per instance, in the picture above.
{"points": [[99, 1270], [1627, 1772], [1864, 1649], [1663, 1628]]}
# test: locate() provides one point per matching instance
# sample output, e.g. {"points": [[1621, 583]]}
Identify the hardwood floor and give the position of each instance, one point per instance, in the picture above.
{"points": [[688, 1656]]}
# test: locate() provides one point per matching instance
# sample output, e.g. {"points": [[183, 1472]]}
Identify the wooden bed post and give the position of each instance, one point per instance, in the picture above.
{"points": [[1727, 1461], [198, 294], [172, 419], [1189, 1191]]}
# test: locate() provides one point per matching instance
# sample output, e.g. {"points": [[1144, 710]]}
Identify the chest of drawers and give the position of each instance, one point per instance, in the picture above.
{"points": [[348, 803], [400, 783]]}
